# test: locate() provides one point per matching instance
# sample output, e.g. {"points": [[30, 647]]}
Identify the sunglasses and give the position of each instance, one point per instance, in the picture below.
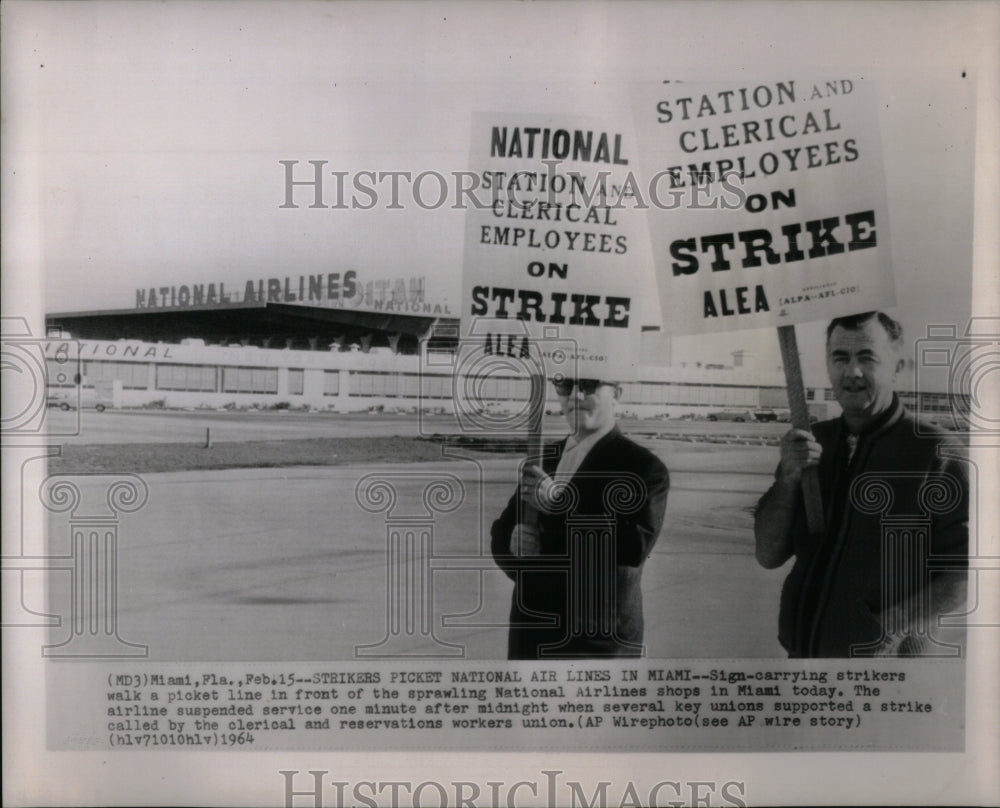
{"points": [[586, 386]]}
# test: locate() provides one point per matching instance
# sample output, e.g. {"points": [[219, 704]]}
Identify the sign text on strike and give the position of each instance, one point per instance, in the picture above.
{"points": [[760, 241]]}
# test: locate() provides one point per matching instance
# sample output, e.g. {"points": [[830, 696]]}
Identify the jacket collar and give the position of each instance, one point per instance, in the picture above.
{"points": [[608, 436], [881, 422]]}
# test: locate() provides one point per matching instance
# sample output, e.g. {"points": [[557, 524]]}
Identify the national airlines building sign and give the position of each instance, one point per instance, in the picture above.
{"points": [[330, 289]]}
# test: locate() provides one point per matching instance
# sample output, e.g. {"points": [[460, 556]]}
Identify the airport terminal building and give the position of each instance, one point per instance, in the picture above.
{"points": [[301, 343]]}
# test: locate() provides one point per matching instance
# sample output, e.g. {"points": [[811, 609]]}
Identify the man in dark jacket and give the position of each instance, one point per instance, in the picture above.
{"points": [[893, 554], [577, 566]]}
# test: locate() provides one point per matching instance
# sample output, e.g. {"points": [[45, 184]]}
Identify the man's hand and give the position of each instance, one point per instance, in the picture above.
{"points": [[772, 524], [536, 488], [524, 541], [799, 451]]}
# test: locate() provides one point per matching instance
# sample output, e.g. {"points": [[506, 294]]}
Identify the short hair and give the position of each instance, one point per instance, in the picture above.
{"points": [[854, 322]]}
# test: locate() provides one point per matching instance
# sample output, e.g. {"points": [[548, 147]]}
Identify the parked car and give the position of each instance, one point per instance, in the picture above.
{"points": [[71, 398], [739, 416], [765, 415]]}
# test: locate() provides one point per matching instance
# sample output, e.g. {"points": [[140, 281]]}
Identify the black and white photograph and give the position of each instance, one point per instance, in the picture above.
{"points": [[428, 403]]}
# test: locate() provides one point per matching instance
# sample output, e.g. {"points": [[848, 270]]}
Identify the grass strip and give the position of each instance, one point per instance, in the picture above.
{"points": [[142, 458]]}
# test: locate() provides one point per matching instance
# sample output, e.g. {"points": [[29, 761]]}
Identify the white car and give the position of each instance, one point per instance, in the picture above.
{"points": [[71, 398]]}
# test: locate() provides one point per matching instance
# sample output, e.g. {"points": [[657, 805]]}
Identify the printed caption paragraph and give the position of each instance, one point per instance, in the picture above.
{"points": [[639, 704]]}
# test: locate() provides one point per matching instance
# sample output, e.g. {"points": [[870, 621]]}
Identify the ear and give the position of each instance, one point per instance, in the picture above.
{"points": [[900, 364]]}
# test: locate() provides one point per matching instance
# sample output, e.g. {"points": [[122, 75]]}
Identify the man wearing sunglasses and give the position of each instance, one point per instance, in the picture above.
{"points": [[577, 566]]}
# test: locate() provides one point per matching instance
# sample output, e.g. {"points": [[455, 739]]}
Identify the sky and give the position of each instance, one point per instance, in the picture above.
{"points": [[149, 135]]}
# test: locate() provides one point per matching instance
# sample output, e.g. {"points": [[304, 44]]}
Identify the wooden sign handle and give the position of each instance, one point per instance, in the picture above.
{"points": [[800, 420], [535, 414]]}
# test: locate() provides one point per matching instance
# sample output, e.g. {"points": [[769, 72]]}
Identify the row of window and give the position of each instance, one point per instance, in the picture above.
{"points": [[929, 402], [190, 378], [201, 378], [672, 393], [214, 379], [228, 379], [133, 376]]}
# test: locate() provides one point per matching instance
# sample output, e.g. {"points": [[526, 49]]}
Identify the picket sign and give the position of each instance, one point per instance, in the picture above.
{"points": [[554, 278], [777, 211]]}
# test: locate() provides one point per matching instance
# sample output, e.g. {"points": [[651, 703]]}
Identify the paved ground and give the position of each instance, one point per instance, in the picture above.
{"points": [[283, 564]]}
